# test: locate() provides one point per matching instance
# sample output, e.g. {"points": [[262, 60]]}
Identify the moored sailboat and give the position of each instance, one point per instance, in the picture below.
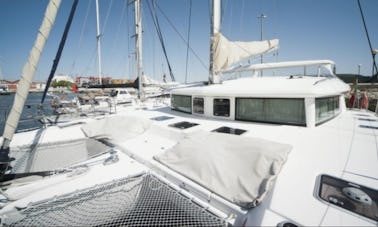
{"points": [[251, 151]]}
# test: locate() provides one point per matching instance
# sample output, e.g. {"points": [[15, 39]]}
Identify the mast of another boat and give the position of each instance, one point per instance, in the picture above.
{"points": [[138, 47], [98, 43], [25, 82], [215, 29]]}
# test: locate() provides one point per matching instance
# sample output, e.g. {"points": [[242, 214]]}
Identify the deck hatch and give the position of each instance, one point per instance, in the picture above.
{"points": [[225, 129], [368, 126], [367, 119], [161, 118], [183, 125]]}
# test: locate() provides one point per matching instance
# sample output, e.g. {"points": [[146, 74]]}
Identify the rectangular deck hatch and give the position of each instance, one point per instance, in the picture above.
{"points": [[367, 119], [368, 126], [228, 130], [183, 125], [161, 118]]}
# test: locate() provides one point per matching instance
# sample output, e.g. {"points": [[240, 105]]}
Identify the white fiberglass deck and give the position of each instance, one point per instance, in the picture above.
{"points": [[331, 148]]}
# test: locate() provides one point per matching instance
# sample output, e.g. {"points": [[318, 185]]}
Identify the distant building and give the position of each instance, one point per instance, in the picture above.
{"points": [[121, 81], [3, 85], [12, 85], [61, 77], [38, 85], [83, 81]]}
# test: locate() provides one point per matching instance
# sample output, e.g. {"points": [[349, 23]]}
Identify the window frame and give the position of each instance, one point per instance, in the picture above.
{"points": [[336, 110], [182, 109], [195, 107], [229, 107], [304, 122]]}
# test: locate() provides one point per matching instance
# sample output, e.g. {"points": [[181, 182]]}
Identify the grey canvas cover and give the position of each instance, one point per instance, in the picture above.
{"points": [[117, 128], [239, 169]]}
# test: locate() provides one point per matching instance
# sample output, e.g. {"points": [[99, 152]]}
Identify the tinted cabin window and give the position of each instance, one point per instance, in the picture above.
{"points": [[198, 105], [326, 108], [221, 107], [182, 103], [272, 110]]}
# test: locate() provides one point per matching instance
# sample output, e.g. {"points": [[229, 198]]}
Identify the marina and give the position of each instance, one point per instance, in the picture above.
{"points": [[258, 144]]}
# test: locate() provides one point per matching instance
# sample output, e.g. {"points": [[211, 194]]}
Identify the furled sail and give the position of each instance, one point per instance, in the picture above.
{"points": [[29, 70], [227, 52]]}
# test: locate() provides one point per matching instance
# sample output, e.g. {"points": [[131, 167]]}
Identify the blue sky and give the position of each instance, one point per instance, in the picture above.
{"points": [[307, 29]]}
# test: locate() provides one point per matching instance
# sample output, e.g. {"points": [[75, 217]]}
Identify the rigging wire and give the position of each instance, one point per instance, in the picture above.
{"points": [[275, 28], [107, 16], [117, 37], [231, 16], [81, 37], [89, 65], [91, 62], [374, 76], [182, 38], [128, 39], [223, 7], [60, 49], [187, 49], [148, 43], [157, 27], [242, 17]]}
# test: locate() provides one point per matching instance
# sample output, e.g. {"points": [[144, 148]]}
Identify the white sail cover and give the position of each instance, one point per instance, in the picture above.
{"points": [[29, 69], [227, 52]]}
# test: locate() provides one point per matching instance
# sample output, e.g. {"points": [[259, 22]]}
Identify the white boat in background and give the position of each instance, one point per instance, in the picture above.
{"points": [[153, 88], [121, 96], [269, 149]]}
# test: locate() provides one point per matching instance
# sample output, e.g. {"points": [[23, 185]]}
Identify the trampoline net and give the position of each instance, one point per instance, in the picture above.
{"points": [[53, 156], [138, 201]]}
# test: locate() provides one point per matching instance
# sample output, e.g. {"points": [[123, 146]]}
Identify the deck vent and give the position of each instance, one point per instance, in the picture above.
{"points": [[367, 119], [362, 115], [161, 118], [183, 124], [368, 126], [286, 224], [225, 129]]}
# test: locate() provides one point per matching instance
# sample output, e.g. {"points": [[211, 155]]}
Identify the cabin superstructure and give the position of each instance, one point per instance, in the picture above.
{"points": [[148, 164], [306, 99]]}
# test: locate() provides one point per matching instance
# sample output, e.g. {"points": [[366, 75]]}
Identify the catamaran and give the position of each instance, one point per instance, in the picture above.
{"points": [[270, 149]]}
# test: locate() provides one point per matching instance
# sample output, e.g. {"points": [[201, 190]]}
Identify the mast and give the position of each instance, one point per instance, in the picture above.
{"points": [[98, 43], [26, 80], [138, 46], [215, 28]]}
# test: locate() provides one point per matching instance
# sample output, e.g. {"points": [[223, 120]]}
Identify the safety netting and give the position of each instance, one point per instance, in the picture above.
{"points": [[142, 200]]}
